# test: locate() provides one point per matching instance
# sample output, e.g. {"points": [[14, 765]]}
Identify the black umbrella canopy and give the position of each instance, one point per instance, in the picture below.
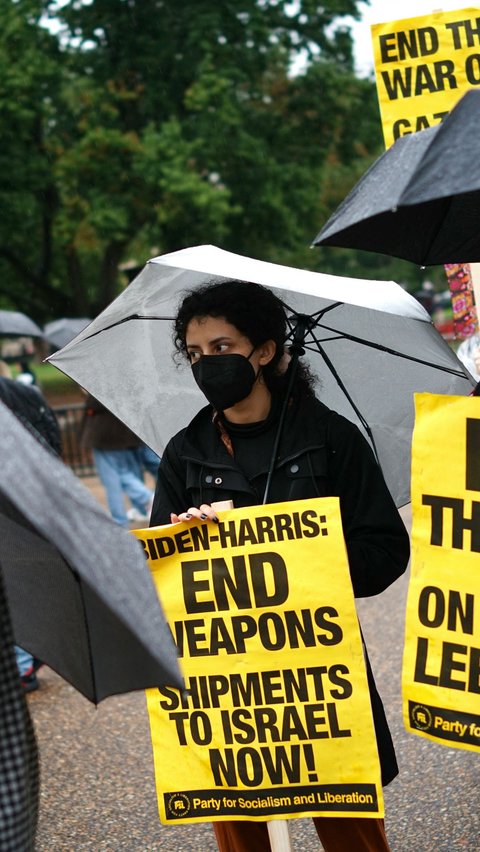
{"points": [[16, 324], [420, 200], [80, 593], [61, 331]]}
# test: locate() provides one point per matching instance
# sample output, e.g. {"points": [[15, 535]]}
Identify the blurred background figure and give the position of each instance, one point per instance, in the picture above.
{"points": [[469, 354], [426, 296], [5, 371], [118, 458], [28, 667], [149, 461], [25, 374]]}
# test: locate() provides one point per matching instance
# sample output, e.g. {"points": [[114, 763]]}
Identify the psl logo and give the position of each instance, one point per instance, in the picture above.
{"points": [[178, 805], [421, 717]]}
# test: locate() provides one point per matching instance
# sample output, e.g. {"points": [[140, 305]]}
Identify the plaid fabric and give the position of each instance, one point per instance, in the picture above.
{"points": [[19, 778]]}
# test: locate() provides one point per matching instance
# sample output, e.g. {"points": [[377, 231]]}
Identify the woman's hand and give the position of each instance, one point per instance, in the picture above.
{"points": [[204, 513]]}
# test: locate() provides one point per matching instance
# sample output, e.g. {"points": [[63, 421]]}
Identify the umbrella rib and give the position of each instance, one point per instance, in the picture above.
{"points": [[126, 319], [382, 348], [340, 383], [447, 205], [312, 319], [325, 340], [323, 311], [87, 634]]}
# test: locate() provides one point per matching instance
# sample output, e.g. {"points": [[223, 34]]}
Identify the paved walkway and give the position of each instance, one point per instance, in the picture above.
{"points": [[98, 790]]}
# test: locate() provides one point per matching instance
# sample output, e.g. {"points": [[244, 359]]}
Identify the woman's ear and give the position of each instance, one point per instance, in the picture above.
{"points": [[267, 351]]}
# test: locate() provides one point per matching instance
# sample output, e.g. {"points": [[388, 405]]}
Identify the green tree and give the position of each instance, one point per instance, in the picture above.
{"points": [[163, 125], [29, 58]]}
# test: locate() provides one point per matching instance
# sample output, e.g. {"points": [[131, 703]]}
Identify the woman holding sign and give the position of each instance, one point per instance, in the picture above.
{"points": [[233, 334]]}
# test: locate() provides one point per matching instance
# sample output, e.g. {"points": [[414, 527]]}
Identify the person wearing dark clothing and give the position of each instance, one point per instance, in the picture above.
{"points": [[26, 375], [29, 405], [322, 454], [233, 334]]}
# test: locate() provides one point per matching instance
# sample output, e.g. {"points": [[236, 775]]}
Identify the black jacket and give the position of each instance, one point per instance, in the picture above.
{"points": [[321, 454], [28, 404]]}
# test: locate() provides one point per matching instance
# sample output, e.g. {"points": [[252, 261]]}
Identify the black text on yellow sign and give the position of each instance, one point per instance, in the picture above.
{"points": [[276, 719], [441, 672], [423, 67]]}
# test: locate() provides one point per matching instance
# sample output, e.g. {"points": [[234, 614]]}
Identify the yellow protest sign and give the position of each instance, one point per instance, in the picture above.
{"points": [[441, 666], [423, 66], [277, 721]]}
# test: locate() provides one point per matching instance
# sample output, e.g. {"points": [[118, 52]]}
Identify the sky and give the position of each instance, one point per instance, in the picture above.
{"points": [[394, 10]]}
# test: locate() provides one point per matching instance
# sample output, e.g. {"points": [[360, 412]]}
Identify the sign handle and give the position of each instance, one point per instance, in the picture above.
{"points": [[278, 830], [279, 835]]}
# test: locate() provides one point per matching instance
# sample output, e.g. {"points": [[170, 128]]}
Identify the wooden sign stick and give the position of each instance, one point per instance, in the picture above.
{"points": [[278, 830]]}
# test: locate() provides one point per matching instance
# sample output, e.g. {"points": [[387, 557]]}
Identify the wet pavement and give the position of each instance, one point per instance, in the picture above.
{"points": [[98, 792]]}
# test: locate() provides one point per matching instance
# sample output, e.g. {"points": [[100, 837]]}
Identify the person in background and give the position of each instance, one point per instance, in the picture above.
{"points": [[5, 370], [26, 375], [232, 333], [115, 451], [29, 405], [469, 354], [148, 460]]}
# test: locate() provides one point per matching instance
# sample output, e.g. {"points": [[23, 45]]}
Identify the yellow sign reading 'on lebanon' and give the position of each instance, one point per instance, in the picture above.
{"points": [[441, 666], [423, 66], [277, 720]]}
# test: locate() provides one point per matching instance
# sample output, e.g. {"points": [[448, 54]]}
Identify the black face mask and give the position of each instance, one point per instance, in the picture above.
{"points": [[224, 379]]}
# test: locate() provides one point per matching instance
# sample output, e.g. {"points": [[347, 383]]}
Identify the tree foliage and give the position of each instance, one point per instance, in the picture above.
{"points": [[143, 126]]}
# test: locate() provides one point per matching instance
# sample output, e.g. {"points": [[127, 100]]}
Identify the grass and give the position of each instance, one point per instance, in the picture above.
{"points": [[50, 379]]}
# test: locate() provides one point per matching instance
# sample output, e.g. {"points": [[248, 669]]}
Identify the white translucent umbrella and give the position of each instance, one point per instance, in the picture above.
{"points": [[370, 343]]}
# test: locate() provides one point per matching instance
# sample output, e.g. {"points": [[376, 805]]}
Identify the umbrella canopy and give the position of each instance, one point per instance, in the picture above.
{"points": [[371, 344], [61, 331], [421, 199], [16, 324], [80, 593]]}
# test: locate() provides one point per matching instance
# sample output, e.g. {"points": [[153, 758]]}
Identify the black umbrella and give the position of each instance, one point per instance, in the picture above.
{"points": [[80, 593], [421, 199], [61, 331], [16, 324]]}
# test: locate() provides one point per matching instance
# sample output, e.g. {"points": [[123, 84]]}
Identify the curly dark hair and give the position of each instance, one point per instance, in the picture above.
{"points": [[254, 310]]}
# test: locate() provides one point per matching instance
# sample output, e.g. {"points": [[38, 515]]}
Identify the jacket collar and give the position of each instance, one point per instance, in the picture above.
{"points": [[301, 432]]}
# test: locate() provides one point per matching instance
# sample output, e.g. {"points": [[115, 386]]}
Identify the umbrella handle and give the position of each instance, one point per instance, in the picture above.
{"points": [[296, 350]]}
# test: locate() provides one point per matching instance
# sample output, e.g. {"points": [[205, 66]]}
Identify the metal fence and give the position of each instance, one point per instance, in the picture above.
{"points": [[69, 420]]}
